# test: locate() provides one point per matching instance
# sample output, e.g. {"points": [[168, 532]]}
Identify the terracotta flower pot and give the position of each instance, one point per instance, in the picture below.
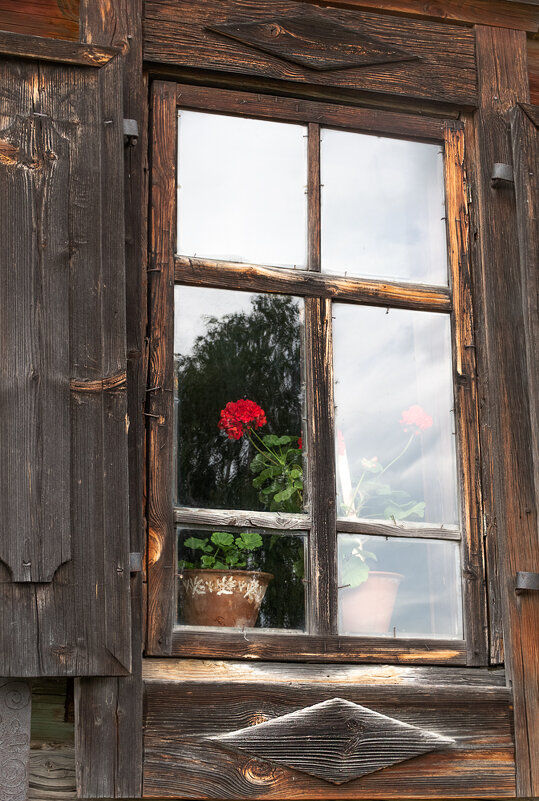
{"points": [[367, 609], [222, 597]]}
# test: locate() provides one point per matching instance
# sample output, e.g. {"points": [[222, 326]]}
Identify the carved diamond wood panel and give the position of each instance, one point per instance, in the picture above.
{"points": [[335, 740], [312, 41]]}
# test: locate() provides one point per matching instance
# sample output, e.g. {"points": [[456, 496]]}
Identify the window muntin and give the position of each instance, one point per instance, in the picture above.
{"points": [[319, 291]]}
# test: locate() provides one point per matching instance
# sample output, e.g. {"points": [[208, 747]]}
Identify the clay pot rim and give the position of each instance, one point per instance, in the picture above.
{"points": [[384, 573], [215, 572]]}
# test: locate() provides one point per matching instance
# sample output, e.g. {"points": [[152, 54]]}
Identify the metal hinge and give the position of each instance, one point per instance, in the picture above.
{"points": [[130, 133], [135, 562], [527, 582], [502, 174]]}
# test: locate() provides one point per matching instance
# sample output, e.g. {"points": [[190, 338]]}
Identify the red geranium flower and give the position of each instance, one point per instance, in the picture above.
{"points": [[300, 443], [415, 416], [240, 415]]}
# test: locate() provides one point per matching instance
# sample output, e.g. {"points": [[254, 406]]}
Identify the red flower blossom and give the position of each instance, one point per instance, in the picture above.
{"points": [[300, 443], [415, 416], [239, 416]]}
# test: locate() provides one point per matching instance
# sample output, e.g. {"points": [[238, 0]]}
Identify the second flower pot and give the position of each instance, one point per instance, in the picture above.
{"points": [[222, 597]]}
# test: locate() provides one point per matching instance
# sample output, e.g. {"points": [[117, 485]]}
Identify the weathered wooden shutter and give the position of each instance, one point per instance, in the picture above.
{"points": [[64, 544]]}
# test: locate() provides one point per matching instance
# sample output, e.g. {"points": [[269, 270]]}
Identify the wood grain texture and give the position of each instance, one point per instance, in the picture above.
{"points": [[35, 47], [256, 644], [254, 278], [306, 39], [69, 626], [57, 19], [35, 420], [525, 150], [322, 569], [175, 33], [398, 676], [15, 713], [182, 714], [523, 16], [466, 401], [52, 752], [109, 710], [226, 517], [335, 740], [161, 546], [367, 120], [506, 405]]}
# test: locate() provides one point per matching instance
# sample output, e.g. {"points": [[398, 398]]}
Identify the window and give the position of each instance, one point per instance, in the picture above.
{"points": [[312, 384]]}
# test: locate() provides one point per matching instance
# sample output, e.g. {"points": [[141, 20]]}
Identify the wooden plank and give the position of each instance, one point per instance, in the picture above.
{"points": [[181, 761], [177, 33], [161, 547], [367, 120], [59, 628], [523, 16], [255, 278], [503, 83], [50, 18], [533, 70], [229, 517], [525, 149], [52, 753], [466, 403], [322, 569], [35, 47], [418, 679], [256, 644], [15, 713], [35, 422]]}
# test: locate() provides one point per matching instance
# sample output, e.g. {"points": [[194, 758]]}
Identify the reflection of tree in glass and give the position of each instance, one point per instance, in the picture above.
{"points": [[253, 355]]}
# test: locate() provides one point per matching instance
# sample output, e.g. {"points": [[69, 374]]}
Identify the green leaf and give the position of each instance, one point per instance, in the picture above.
{"points": [[284, 440], [182, 565], [196, 544], [270, 440], [284, 495], [207, 561], [222, 538], [295, 473], [219, 566], [248, 541]]}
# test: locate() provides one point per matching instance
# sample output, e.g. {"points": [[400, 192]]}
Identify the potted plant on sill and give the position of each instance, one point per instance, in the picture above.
{"points": [[219, 590], [366, 596]]}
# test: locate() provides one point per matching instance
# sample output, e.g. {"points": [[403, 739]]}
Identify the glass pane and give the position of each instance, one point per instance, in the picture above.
{"points": [[241, 189], [383, 210], [241, 578], [394, 415], [399, 587], [238, 390]]}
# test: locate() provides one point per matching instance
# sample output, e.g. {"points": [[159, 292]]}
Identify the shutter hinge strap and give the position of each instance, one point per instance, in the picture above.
{"points": [[527, 582]]}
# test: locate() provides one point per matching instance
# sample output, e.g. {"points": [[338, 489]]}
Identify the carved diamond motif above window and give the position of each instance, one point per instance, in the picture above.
{"points": [[335, 740], [312, 41]]}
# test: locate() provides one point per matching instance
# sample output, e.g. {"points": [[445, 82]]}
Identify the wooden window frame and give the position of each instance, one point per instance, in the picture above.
{"points": [[318, 290]]}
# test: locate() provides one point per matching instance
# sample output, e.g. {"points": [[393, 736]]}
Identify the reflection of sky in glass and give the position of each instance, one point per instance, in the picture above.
{"points": [[388, 362], [382, 208], [241, 193], [428, 599], [194, 316]]}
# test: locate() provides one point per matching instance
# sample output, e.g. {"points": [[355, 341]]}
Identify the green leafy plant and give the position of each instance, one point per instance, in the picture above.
{"points": [[354, 562], [222, 550], [279, 473]]}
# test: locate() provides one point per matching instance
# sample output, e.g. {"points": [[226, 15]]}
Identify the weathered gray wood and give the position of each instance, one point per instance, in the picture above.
{"points": [[289, 673], [335, 740], [525, 149], [69, 626], [15, 713], [507, 441], [34, 320], [224, 517], [176, 33], [182, 715]]}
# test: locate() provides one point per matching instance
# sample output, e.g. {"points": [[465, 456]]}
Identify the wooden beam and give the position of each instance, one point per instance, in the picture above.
{"points": [[55, 19], [507, 437], [36, 47], [523, 16]]}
